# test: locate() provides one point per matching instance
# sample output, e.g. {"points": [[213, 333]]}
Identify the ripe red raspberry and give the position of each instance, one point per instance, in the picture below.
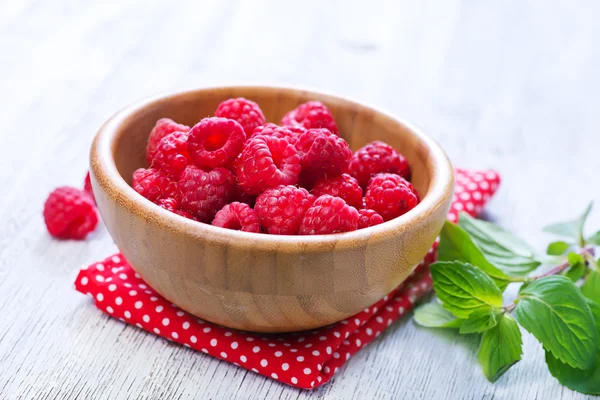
{"points": [[246, 112], [87, 187], [282, 208], [237, 216], [216, 142], [343, 186], [323, 155], [368, 218], [163, 127], [70, 213], [311, 115], [273, 130], [171, 155], [374, 158], [154, 184], [329, 214], [171, 204], [205, 193], [267, 161], [390, 195]]}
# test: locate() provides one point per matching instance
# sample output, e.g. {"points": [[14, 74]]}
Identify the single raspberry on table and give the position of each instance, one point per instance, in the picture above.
{"points": [[163, 127], [311, 115], [343, 186], [267, 161], [368, 218], [323, 155], [70, 213], [374, 158], [87, 187], [329, 214], [282, 208], [154, 184], [171, 155], [390, 195], [246, 112], [273, 130], [215, 142], [171, 204], [237, 216], [204, 193]]}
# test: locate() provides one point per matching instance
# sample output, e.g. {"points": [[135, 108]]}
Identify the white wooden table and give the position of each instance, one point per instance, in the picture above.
{"points": [[511, 85]]}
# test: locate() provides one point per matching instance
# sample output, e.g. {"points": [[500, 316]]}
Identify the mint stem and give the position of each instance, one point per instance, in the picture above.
{"points": [[587, 253]]}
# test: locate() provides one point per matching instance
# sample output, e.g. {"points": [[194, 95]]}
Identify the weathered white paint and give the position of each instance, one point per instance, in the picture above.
{"points": [[511, 85]]}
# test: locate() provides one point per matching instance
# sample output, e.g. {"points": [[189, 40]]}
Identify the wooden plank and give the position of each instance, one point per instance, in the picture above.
{"points": [[510, 85]]}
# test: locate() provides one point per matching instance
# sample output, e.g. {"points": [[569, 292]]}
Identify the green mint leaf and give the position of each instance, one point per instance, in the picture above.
{"points": [[575, 259], [500, 247], [578, 267], [591, 286], [500, 348], [463, 288], [456, 245], [572, 229], [594, 239], [556, 313], [557, 248], [584, 381], [576, 272], [480, 321], [434, 315]]}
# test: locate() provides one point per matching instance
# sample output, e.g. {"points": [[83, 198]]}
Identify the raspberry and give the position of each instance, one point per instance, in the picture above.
{"points": [[368, 218], [329, 214], [237, 216], [273, 130], [282, 208], [390, 195], [69, 213], [215, 142], [267, 161], [205, 193], [311, 115], [246, 112], [87, 187], [163, 127], [171, 204], [374, 158], [343, 186], [153, 184], [323, 155], [171, 155]]}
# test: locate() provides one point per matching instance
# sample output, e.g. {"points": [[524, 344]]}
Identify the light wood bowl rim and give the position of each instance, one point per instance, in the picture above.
{"points": [[112, 183]]}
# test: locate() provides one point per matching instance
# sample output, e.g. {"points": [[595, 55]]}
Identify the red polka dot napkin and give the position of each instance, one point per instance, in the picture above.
{"points": [[304, 359]]}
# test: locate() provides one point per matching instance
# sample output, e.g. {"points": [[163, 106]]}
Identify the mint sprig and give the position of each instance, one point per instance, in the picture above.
{"points": [[560, 306]]}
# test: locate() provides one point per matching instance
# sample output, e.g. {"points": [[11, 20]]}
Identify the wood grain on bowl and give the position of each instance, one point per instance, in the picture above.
{"points": [[262, 282]]}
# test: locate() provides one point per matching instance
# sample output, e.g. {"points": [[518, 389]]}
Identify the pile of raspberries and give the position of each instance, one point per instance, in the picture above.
{"points": [[236, 171]]}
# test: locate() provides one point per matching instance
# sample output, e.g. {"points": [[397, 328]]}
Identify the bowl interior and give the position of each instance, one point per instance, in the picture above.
{"points": [[358, 125]]}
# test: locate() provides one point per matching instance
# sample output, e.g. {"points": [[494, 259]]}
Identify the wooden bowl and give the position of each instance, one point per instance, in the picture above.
{"points": [[260, 282]]}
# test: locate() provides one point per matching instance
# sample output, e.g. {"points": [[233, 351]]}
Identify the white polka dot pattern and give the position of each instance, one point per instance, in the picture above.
{"points": [[305, 360]]}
